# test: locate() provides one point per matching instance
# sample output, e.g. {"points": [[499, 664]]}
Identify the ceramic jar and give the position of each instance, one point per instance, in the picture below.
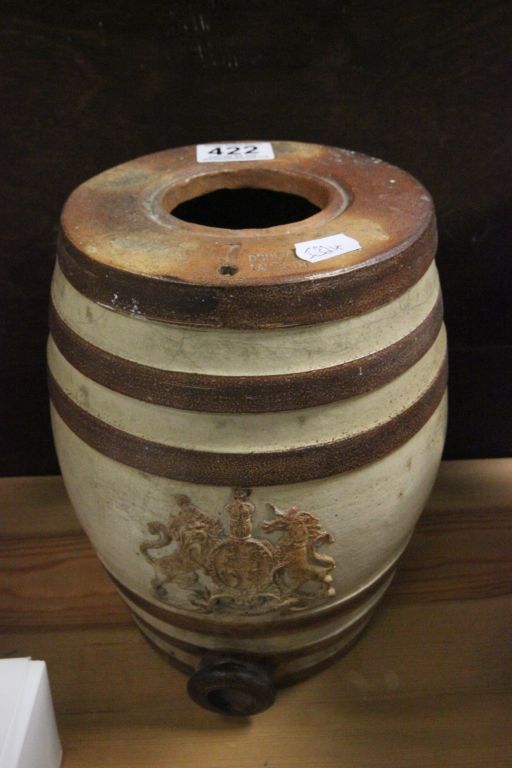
{"points": [[248, 437]]}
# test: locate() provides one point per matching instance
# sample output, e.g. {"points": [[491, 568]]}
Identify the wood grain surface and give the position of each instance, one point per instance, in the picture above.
{"points": [[428, 685]]}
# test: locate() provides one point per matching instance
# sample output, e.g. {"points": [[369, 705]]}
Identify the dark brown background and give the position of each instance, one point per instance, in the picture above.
{"points": [[421, 84]]}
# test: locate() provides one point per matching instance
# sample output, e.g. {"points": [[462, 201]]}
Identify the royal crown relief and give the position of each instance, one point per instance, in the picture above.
{"points": [[233, 571]]}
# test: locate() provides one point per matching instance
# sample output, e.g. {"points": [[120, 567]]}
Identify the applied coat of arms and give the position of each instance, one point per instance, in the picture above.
{"points": [[234, 570]]}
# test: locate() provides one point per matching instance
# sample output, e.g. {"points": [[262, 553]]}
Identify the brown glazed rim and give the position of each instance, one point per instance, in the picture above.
{"points": [[120, 247], [251, 307], [246, 394], [252, 469], [259, 626]]}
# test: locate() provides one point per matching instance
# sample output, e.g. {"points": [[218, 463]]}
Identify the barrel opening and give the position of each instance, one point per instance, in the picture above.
{"points": [[248, 199], [245, 208]]}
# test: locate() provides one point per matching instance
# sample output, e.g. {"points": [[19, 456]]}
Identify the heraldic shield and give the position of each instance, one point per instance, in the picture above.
{"points": [[235, 571]]}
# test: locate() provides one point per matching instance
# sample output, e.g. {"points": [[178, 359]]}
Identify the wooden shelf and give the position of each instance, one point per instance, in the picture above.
{"points": [[428, 685]]}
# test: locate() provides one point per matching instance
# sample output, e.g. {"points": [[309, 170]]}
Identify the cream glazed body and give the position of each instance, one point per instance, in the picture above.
{"points": [[370, 512], [250, 485]]}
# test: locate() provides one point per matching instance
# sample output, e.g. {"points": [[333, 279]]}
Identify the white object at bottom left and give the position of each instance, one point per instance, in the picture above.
{"points": [[28, 730]]}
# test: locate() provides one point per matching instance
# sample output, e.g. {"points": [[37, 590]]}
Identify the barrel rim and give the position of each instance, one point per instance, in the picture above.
{"points": [[244, 307], [114, 249]]}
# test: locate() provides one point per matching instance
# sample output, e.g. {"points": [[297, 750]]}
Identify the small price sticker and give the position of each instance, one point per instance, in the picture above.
{"points": [[234, 153], [326, 247]]}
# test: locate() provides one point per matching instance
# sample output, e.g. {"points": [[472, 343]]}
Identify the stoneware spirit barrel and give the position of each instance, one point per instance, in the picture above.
{"points": [[247, 367]]}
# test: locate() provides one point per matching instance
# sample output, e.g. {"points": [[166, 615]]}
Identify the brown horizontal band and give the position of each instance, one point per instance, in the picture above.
{"points": [[301, 674], [207, 624], [274, 656], [313, 300], [250, 469], [246, 394], [283, 678]]}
